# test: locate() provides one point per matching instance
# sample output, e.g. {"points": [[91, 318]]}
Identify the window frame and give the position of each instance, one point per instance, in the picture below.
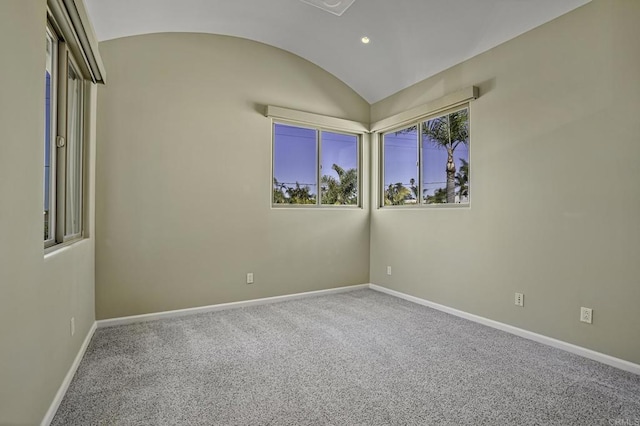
{"points": [[64, 63], [419, 123], [318, 163], [69, 234], [53, 114]]}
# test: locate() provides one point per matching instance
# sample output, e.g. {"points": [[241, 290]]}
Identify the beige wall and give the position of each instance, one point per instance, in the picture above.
{"points": [[555, 175], [38, 295], [184, 177]]}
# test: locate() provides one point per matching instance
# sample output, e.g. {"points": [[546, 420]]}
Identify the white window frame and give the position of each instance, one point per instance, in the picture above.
{"points": [[70, 235], [51, 220], [318, 174], [419, 123], [63, 60]]}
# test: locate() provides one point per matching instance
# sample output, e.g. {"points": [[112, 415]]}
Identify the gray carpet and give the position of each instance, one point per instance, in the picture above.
{"points": [[357, 358]]}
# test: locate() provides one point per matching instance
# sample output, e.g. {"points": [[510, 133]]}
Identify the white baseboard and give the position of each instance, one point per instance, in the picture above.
{"points": [[578, 350], [222, 306], [62, 390]]}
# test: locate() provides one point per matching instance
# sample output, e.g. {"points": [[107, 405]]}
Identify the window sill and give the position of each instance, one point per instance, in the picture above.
{"points": [[427, 206], [312, 207], [62, 247]]}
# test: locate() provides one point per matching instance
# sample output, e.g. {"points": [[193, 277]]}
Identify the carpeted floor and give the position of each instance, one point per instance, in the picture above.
{"points": [[357, 358]]}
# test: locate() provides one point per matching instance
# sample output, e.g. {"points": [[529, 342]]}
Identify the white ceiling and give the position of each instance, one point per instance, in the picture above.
{"points": [[410, 39]]}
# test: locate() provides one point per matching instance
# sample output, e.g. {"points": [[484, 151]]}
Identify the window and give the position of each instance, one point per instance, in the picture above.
{"points": [[63, 143], [315, 167], [49, 138], [427, 162]]}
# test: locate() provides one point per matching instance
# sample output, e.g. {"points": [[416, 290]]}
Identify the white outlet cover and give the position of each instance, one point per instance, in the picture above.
{"points": [[336, 7], [519, 299]]}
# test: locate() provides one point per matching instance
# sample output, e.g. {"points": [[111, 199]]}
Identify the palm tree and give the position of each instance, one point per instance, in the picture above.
{"points": [[278, 192], [300, 195], [439, 197], [396, 194], [343, 190], [448, 132], [462, 179]]}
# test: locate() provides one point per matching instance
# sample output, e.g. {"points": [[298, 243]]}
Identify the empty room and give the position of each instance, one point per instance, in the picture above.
{"points": [[309, 212]]}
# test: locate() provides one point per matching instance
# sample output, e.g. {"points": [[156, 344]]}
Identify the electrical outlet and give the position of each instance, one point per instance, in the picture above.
{"points": [[388, 270], [73, 326], [250, 278], [586, 315], [519, 300]]}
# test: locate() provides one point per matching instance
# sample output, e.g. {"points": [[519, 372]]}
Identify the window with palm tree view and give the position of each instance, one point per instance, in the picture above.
{"points": [[312, 166], [428, 162]]}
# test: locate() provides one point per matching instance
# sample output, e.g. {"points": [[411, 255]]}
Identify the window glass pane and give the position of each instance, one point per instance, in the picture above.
{"points": [[294, 165], [401, 166], [48, 140], [339, 166], [445, 159], [74, 154]]}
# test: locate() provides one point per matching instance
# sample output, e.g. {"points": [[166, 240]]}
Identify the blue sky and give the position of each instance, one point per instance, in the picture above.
{"points": [[295, 154]]}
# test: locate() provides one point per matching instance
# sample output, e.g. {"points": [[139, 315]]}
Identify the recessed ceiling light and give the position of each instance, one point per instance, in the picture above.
{"points": [[365, 40]]}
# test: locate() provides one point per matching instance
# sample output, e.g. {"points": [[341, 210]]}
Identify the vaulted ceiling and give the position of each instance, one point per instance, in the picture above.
{"points": [[410, 40]]}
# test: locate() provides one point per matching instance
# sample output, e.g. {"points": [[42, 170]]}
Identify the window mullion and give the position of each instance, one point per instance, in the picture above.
{"points": [[359, 166], [381, 188], [61, 151], [420, 164], [318, 166]]}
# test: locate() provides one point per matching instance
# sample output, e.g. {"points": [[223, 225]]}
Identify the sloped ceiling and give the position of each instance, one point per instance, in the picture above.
{"points": [[410, 39]]}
